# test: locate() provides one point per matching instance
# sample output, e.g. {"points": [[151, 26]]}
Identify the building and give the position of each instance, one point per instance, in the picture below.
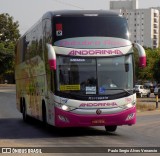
{"points": [[143, 26], [158, 8], [143, 23], [121, 4]]}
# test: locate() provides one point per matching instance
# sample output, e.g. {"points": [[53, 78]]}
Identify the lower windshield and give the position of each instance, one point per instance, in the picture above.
{"points": [[94, 76]]}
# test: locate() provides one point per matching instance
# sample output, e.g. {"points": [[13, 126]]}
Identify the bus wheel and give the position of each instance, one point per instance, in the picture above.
{"points": [[24, 113], [110, 128], [44, 119]]}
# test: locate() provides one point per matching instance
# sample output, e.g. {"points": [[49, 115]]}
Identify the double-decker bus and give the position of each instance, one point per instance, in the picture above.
{"points": [[76, 69]]}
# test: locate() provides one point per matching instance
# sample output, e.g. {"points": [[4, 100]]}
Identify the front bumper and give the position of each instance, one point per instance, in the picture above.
{"points": [[69, 119]]}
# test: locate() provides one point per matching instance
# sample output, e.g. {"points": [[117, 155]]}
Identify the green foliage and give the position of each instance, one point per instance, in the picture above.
{"points": [[9, 34], [152, 70], [6, 62]]}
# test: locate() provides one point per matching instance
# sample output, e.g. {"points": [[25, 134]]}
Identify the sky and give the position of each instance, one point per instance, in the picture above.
{"points": [[27, 12]]}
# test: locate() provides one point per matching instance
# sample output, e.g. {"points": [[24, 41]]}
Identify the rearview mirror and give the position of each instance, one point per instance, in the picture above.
{"points": [[51, 57], [142, 55]]}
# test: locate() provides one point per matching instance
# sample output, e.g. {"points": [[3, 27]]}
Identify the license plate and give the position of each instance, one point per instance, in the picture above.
{"points": [[98, 121]]}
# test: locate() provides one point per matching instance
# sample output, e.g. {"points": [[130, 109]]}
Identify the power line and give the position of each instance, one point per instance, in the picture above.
{"points": [[69, 4]]}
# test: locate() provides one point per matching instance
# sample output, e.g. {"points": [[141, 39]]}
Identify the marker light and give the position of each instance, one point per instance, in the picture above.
{"points": [[90, 14]]}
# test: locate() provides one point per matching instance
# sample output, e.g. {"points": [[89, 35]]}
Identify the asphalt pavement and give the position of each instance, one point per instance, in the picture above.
{"points": [[15, 133]]}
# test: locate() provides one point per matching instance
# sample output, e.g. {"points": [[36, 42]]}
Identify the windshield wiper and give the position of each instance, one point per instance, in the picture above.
{"points": [[127, 91]]}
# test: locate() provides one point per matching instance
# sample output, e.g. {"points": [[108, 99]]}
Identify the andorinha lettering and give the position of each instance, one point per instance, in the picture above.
{"points": [[95, 52], [113, 104]]}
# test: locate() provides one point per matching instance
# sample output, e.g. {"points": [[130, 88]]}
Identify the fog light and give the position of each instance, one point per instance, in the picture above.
{"points": [[130, 116], [62, 118]]}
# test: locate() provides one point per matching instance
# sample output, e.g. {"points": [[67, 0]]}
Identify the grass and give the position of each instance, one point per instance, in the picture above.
{"points": [[146, 107], [147, 104]]}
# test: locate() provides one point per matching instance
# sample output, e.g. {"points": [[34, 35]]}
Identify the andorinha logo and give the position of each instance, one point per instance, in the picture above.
{"points": [[95, 52]]}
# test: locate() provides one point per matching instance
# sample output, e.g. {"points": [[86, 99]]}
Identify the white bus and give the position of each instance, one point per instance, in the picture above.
{"points": [[76, 69]]}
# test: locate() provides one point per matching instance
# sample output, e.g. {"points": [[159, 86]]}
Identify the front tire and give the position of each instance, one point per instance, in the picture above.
{"points": [[110, 128]]}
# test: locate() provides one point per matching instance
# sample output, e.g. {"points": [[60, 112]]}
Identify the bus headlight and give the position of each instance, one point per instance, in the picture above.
{"points": [[129, 105], [65, 107]]}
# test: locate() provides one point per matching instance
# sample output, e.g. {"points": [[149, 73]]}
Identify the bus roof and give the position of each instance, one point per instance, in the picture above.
{"points": [[80, 13], [77, 13]]}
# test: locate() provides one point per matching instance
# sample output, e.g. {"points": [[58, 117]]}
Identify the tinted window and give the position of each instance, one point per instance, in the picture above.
{"points": [[69, 27]]}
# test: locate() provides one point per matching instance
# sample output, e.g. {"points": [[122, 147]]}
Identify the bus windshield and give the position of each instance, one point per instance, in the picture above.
{"points": [[102, 26], [94, 76]]}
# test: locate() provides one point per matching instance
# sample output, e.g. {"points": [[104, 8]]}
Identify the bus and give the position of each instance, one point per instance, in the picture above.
{"points": [[63, 65]]}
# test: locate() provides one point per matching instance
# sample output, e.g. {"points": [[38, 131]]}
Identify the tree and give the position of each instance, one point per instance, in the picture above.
{"points": [[156, 66], [9, 34], [6, 62], [152, 70]]}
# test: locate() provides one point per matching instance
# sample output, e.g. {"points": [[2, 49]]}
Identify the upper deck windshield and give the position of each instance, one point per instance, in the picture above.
{"points": [[86, 78], [89, 26]]}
